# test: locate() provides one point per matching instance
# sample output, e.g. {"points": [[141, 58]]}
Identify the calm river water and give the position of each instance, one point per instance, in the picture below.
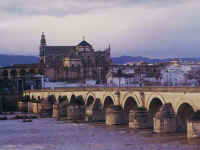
{"points": [[49, 134]]}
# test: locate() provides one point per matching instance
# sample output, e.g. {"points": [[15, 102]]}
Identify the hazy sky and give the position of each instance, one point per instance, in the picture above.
{"points": [[153, 28]]}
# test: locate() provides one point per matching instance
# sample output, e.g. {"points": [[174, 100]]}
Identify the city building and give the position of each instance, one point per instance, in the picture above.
{"points": [[78, 63], [178, 73], [134, 74], [22, 76]]}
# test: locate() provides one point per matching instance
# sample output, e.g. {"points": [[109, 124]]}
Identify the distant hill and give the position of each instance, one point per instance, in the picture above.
{"points": [[127, 59], [8, 60]]}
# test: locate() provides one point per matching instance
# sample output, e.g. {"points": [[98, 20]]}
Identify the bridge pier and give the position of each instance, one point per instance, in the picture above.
{"points": [[165, 120], [75, 112], [46, 109], [62, 111], [94, 112], [193, 129], [114, 115], [140, 119], [89, 114], [92, 115], [193, 126], [36, 107], [55, 110]]}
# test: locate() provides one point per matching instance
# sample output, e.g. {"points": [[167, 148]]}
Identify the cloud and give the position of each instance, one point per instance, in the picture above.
{"points": [[156, 28], [68, 7]]}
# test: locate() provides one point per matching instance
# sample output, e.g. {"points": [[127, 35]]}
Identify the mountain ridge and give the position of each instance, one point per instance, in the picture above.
{"points": [[127, 59], [8, 60]]}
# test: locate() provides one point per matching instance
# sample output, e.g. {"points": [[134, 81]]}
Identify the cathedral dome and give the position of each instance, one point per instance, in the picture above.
{"points": [[84, 43]]}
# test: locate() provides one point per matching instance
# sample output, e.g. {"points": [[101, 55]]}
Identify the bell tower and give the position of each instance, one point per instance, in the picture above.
{"points": [[43, 44]]}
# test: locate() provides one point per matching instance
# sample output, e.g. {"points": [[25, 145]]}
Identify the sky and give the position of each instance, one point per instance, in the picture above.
{"points": [[150, 28]]}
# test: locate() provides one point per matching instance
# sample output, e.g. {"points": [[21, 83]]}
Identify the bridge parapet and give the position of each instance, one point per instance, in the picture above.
{"points": [[139, 89]]}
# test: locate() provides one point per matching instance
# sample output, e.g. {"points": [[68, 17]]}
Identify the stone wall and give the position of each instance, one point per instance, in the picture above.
{"points": [[55, 110], [114, 115], [75, 112], [94, 115], [140, 119], [22, 106], [36, 107], [167, 125], [193, 129], [165, 120], [25, 106]]}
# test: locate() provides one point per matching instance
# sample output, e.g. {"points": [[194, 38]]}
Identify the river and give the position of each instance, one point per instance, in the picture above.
{"points": [[49, 134]]}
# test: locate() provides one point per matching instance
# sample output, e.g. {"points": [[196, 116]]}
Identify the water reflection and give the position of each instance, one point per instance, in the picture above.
{"points": [[180, 138]]}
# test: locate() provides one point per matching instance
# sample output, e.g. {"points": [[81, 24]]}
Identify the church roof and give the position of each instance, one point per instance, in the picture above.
{"points": [[49, 50], [84, 43], [59, 47]]}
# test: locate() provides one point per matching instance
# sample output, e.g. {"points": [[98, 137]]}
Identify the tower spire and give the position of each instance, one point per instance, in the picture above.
{"points": [[43, 40], [109, 46], [43, 45]]}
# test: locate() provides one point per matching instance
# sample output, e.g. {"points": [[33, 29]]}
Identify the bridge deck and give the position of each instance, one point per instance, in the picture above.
{"points": [[139, 89]]}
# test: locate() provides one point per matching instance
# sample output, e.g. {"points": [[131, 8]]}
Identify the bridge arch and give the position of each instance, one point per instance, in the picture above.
{"points": [[77, 100], [154, 96], [108, 102], [115, 102], [72, 98], [134, 97], [80, 100], [47, 104], [63, 99], [90, 101], [184, 112], [182, 101], [63, 102], [51, 99], [130, 104], [97, 106], [154, 104], [90, 98]]}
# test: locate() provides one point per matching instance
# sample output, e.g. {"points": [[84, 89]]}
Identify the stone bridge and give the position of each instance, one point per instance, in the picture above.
{"points": [[184, 100]]}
